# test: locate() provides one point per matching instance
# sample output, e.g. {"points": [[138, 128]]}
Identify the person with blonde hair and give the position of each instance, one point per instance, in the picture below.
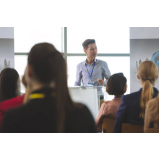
{"points": [[132, 107], [151, 119]]}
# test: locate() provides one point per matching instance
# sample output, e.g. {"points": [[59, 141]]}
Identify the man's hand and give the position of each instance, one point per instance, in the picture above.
{"points": [[100, 81]]}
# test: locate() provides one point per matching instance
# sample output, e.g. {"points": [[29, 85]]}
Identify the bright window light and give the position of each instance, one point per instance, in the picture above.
{"points": [[26, 37], [108, 39]]}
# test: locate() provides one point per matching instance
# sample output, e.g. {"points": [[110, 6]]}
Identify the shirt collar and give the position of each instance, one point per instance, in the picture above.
{"points": [[95, 60]]}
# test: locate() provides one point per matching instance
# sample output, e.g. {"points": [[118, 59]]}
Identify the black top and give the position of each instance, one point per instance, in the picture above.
{"points": [[39, 116]]}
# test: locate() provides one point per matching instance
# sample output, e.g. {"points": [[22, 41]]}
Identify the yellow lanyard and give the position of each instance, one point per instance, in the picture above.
{"points": [[39, 96]]}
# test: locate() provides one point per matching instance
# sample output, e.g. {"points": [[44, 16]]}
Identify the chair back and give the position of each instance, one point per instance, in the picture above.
{"points": [[151, 130], [108, 124], [132, 128]]}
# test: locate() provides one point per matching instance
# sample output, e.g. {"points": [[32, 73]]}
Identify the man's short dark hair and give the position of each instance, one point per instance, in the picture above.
{"points": [[116, 84], [87, 42]]}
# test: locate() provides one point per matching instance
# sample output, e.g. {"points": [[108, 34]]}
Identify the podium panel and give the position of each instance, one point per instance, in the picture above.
{"points": [[87, 96]]}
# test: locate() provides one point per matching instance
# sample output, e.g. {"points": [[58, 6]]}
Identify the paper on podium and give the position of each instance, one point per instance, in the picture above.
{"points": [[88, 96]]}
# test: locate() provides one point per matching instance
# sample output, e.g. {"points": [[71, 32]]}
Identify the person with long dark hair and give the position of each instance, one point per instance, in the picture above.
{"points": [[13, 102], [50, 107], [9, 84]]}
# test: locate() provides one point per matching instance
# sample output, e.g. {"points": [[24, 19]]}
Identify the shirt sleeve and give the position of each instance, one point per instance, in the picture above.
{"points": [[106, 72], [120, 117], [78, 77]]}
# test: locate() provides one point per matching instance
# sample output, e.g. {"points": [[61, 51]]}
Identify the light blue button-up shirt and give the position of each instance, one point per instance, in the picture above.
{"points": [[100, 71]]}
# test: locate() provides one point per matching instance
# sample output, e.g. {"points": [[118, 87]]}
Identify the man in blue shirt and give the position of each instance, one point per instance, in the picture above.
{"points": [[92, 71]]}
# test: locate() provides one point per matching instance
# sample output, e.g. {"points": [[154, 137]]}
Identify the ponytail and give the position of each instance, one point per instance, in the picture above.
{"points": [[147, 71], [146, 95]]}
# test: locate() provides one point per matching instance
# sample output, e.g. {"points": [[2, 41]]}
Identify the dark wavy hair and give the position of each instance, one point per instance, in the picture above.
{"points": [[9, 84], [48, 66], [116, 84]]}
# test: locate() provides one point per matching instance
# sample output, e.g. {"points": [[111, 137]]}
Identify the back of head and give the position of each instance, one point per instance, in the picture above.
{"points": [[116, 84], [148, 72], [9, 84], [48, 66], [87, 42]]}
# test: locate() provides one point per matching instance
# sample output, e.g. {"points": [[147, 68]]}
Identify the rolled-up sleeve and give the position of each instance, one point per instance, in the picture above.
{"points": [[78, 76], [106, 72]]}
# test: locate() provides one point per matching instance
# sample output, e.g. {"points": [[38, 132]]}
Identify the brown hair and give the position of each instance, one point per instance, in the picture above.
{"points": [[48, 66], [147, 72], [9, 84], [116, 84], [87, 42]]}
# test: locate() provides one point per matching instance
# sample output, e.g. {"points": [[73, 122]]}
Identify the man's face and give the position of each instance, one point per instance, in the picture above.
{"points": [[91, 51]]}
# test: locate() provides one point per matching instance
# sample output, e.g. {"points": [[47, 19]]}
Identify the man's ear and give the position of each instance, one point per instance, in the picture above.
{"points": [[85, 50], [156, 76], [138, 76]]}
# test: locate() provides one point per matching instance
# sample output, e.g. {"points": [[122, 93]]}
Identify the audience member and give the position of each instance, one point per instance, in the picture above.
{"points": [[13, 102], [152, 114], [50, 108], [132, 108], [116, 85], [9, 84]]}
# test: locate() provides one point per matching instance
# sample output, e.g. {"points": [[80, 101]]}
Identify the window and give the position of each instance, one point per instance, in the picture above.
{"points": [[108, 39], [26, 37], [20, 65], [112, 43]]}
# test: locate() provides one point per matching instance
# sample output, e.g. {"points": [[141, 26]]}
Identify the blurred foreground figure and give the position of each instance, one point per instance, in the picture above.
{"points": [[50, 108]]}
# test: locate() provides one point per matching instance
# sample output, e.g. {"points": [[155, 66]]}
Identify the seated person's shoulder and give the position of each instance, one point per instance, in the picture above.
{"points": [[131, 95], [79, 119], [78, 107], [106, 102], [16, 113], [79, 110]]}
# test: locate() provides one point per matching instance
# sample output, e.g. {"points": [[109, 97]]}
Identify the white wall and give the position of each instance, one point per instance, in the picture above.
{"points": [[141, 49], [7, 32], [6, 46], [144, 32]]}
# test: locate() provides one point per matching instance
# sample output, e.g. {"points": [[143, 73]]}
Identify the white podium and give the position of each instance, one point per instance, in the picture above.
{"points": [[87, 95]]}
